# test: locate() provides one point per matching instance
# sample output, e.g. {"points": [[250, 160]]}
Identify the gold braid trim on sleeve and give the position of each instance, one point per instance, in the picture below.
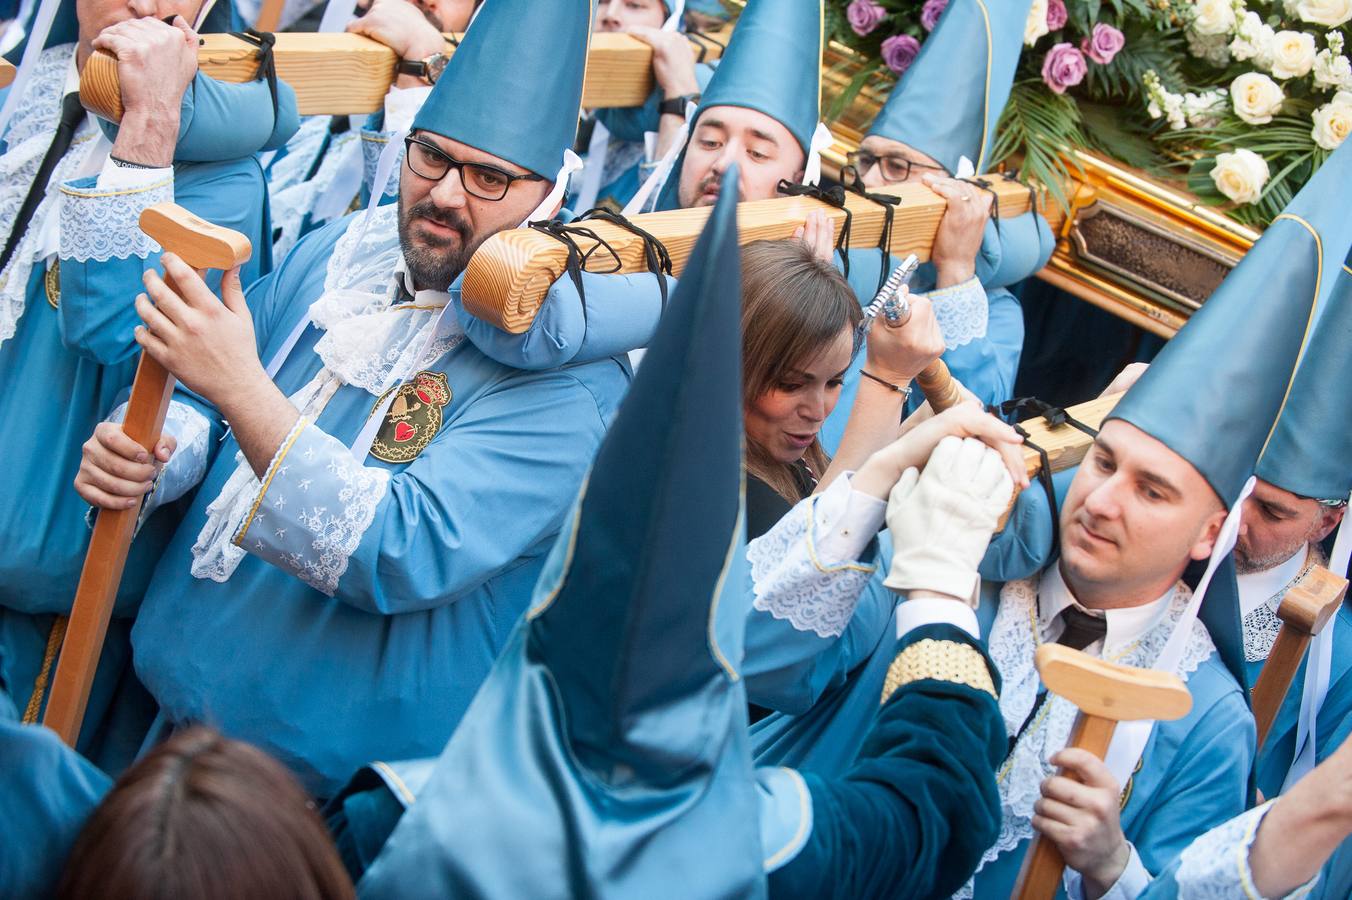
{"points": [[939, 660]]}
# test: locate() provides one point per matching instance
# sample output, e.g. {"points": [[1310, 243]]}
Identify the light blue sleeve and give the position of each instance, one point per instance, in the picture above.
{"points": [[620, 313], [1014, 249], [104, 252], [492, 487]]}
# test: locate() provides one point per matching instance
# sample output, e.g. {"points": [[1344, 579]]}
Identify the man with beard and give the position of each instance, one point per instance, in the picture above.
{"points": [[372, 526], [1300, 497]]}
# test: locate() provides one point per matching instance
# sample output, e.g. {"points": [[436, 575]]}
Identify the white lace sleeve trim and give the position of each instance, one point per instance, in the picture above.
{"points": [[793, 580], [962, 311], [372, 145], [315, 487], [1216, 865], [102, 225]]}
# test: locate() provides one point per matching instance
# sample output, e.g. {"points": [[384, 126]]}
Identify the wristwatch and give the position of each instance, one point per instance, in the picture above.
{"points": [[429, 70], [675, 106]]}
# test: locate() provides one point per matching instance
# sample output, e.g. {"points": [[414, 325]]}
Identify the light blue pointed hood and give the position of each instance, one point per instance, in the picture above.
{"points": [[607, 754], [1310, 451], [1214, 393], [514, 86], [948, 102]]}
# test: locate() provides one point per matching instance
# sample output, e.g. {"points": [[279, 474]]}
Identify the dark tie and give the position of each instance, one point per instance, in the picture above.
{"points": [[72, 113], [1082, 628]]}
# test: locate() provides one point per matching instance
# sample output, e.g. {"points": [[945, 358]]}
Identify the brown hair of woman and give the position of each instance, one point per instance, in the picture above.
{"points": [[205, 817], [794, 307]]}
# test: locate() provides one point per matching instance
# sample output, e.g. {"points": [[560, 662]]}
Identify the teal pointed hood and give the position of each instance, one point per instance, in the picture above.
{"points": [[514, 86], [948, 102], [1310, 451], [1214, 392], [773, 65], [607, 754]]}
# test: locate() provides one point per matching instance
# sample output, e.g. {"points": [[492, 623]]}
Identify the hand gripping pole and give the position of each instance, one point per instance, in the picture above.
{"points": [[202, 246]]}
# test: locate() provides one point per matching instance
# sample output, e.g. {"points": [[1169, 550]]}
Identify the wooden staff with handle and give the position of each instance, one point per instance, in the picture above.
{"points": [[202, 246], [1106, 693], [1305, 611]]}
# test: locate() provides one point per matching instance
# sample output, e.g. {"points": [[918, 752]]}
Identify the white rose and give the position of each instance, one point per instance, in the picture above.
{"points": [[1331, 70], [1333, 122], [1240, 175], [1329, 13], [1204, 110], [1213, 16], [1292, 54], [1036, 26], [1256, 98]]}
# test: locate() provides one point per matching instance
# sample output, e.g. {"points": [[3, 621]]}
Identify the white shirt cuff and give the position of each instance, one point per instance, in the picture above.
{"points": [[402, 105], [1133, 881], [846, 520], [912, 614], [114, 177]]}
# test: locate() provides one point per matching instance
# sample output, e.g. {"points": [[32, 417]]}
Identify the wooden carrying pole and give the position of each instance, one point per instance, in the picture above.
{"points": [[510, 274], [202, 246], [1305, 611], [1106, 693], [7, 73], [348, 74]]}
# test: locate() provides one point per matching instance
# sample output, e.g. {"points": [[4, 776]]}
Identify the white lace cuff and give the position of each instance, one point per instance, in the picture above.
{"points": [[962, 311], [1216, 865], [795, 580], [402, 105], [101, 224], [315, 504], [1133, 881]]}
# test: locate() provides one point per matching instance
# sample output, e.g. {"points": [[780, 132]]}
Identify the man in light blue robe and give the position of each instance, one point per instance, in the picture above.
{"points": [[1193, 772], [633, 777], [362, 542], [1305, 477], [66, 351]]}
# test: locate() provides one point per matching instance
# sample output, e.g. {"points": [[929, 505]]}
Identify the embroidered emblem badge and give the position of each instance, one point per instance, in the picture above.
{"points": [[413, 420], [53, 284]]}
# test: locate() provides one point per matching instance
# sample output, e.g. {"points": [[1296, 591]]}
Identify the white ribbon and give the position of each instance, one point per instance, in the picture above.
{"points": [[965, 168], [821, 142], [1130, 738], [42, 26], [653, 186], [345, 184], [384, 168], [545, 211], [593, 170], [673, 22], [1318, 671], [336, 15], [14, 30]]}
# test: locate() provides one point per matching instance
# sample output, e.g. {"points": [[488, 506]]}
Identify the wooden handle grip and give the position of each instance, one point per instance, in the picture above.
{"points": [[1040, 876], [7, 73], [941, 389]]}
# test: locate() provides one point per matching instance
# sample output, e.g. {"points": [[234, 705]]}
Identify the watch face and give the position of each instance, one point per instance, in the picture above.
{"points": [[436, 64]]}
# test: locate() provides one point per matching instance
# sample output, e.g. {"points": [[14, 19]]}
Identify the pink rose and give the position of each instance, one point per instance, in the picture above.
{"points": [[1103, 43], [929, 15], [1064, 67], [864, 16], [1056, 15], [899, 51]]}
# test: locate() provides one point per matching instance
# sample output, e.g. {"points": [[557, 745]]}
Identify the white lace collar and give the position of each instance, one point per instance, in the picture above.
{"points": [[1257, 588], [1126, 625]]}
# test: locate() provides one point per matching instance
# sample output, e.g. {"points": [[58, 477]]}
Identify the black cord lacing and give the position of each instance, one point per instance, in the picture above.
{"points": [[889, 202], [578, 258], [832, 196], [982, 184], [1055, 417], [704, 41], [267, 63], [655, 254]]}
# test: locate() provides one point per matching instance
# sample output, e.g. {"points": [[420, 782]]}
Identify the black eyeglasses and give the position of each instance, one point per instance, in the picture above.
{"points": [[429, 161], [894, 168]]}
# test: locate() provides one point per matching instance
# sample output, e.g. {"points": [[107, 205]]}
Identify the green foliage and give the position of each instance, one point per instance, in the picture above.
{"points": [[1039, 124]]}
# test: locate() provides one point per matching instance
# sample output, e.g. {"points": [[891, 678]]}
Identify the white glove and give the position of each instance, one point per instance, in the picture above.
{"points": [[942, 519]]}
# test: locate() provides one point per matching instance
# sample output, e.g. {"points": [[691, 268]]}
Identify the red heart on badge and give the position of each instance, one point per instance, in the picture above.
{"points": [[403, 432]]}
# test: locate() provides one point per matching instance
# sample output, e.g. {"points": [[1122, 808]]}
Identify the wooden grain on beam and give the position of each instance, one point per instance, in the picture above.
{"points": [[347, 74], [1066, 445], [509, 275]]}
